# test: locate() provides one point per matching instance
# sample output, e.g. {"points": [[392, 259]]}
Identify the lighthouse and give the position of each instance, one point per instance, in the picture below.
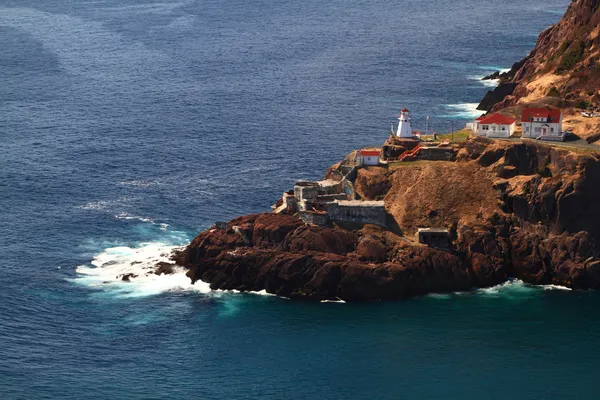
{"points": [[404, 129]]}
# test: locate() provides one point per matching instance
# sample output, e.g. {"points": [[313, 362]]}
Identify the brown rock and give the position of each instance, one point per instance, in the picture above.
{"points": [[372, 183], [539, 223]]}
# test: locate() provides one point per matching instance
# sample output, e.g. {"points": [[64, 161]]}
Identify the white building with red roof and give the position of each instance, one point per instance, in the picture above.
{"points": [[495, 126], [369, 156], [542, 123], [473, 125]]}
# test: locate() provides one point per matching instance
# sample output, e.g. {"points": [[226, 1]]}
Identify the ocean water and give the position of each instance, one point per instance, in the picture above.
{"points": [[128, 126]]}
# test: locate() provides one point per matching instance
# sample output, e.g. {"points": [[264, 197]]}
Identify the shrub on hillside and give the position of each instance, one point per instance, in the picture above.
{"points": [[553, 92]]}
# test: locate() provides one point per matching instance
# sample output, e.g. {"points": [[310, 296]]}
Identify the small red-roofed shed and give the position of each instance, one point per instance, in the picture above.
{"points": [[369, 156]]}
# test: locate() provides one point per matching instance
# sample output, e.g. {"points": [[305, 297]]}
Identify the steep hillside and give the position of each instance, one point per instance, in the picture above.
{"points": [[563, 69]]}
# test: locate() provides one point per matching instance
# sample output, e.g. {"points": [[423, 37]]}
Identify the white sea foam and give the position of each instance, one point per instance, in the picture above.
{"points": [[513, 285], [106, 205], [555, 287], [127, 216], [518, 287], [94, 205], [489, 83], [139, 183], [334, 301], [107, 268], [257, 293], [512, 288], [490, 69], [463, 110]]}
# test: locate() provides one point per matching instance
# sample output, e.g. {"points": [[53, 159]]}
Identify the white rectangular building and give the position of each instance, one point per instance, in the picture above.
{"points": [[495, 126], [542, 123], [369, 156]]}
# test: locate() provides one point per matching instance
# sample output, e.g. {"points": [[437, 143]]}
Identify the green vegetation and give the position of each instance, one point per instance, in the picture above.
{"points": [[418, 163], [561, 50], [459, 136], [572, 57], [583, 104], [553, 92]]}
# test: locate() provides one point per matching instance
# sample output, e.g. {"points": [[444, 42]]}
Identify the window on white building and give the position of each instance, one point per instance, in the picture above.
{"points": [[538, 130]]}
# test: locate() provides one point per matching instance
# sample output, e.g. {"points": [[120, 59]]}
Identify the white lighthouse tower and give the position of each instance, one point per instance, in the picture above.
{"points": [[404, 128]]}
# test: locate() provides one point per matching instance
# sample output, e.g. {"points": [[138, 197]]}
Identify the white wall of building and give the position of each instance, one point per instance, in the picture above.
{"points": [[370, 160], [496, 130], [404, 128], [535, 129]]}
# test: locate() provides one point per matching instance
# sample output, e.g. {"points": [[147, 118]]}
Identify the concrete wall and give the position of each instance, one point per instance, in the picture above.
{"points": [[313, 218], [328, 198], [308, 193], [358, 212], [329, 186], [436, 154]]}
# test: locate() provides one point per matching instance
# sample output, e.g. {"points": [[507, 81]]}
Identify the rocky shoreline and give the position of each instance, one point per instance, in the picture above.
{"points": [[511, 210], [514, 210]]}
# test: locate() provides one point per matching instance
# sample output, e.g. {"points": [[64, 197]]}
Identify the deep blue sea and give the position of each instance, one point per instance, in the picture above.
{"points": [[128, 126]]}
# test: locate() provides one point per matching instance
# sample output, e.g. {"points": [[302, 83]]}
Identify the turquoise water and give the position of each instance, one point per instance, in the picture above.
{"points": [[127, 127]]}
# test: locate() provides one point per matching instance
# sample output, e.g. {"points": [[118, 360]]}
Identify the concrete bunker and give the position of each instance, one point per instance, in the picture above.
{"points": [[314, 217], [221, 225], [358, 212], [434, 237]]}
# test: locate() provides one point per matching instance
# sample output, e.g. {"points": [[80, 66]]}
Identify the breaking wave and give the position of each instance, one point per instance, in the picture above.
{"points": [[107, 269], [490, 83], [463, 111], [106, 272], [516, 287], [513, 288]]}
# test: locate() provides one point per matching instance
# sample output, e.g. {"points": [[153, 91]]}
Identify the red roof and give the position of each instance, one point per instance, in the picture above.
{"points": [[497, 119], [551, 115], [404, 110], [370, 153]]}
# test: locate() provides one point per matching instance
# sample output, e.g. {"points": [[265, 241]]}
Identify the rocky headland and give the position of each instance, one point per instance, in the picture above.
{"points": [[509, 209], [513, 210], [562, 70]]}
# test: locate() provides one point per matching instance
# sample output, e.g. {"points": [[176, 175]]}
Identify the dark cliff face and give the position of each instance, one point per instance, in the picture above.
{"points": [[564, 64], [532, 215]]}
